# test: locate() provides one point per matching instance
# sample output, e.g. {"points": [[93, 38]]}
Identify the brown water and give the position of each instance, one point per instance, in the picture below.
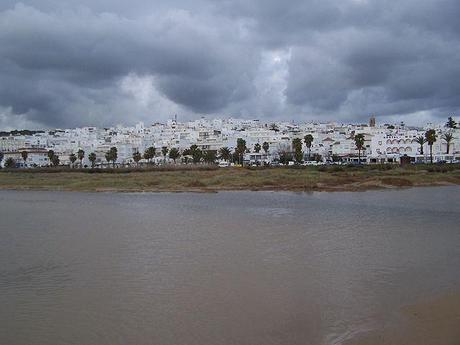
{"points": [[227, 268]]}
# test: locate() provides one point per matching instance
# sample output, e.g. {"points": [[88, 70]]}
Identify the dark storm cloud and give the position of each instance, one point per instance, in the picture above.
{"points": [[68, 63], [76, 51]]}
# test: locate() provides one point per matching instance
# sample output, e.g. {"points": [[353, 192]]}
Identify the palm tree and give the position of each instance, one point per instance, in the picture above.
{"points": [[430, 136], [297, 146], [225, 153], [81, 155], [210, 156], [137, 157], [240, 148], [150, 153], [421, 141], [257, 148], [274, 127], [50, 156], [451, 123], [92, 159], [285, 157], [308, 139], [195, 152], [174, 154], [359, 143], [72, 158], [108, 157], [55, 160], [112, 155], [164, 151], [241, 145], [265, 147], [448, 137], [24, 156], [10, 163]]}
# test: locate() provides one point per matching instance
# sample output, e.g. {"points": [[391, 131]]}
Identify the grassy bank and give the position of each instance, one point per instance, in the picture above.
{"points": [[209, 179]]}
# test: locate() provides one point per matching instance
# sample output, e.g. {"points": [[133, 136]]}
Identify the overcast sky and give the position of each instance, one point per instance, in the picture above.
{"points": [[73, 63]]}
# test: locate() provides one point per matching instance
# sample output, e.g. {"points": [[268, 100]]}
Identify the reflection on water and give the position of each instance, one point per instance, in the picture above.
{"points": [[226, 268]]}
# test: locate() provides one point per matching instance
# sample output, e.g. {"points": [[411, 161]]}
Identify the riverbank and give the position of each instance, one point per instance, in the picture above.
{"points": [[210, 179]]}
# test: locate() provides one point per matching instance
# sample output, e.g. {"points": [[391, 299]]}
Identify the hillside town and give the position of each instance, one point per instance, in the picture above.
{"points": [[232, 141]]}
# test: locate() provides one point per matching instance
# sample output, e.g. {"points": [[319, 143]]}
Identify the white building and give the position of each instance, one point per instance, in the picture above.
{"points": [[383, 144]]}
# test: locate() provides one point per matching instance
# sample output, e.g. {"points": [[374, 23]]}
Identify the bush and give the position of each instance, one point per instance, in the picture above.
{"points": [[382, 167], [355, 166], [337, 168], [10, 163], [438, 169], [64, 169]]}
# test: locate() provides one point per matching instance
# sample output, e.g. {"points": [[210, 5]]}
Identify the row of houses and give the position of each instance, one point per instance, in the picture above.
{"points": [[383, 143]]}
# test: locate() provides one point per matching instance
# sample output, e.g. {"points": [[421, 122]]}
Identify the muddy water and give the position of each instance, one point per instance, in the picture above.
{"points": [[226, 268]]}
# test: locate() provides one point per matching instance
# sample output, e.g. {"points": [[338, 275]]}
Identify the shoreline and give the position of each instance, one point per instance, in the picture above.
{"points": [[212, 180], [204, 190]]}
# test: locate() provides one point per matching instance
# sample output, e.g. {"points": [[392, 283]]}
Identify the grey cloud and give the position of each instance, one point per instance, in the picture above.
{"points": [[62, 63], [411, 71], [87, 50]]}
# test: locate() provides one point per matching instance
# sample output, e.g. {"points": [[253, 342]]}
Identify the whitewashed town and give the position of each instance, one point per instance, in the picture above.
{"points": [[232, 142]]}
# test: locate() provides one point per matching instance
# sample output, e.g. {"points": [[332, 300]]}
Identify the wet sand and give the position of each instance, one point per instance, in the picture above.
{"points": [[431, 322]]}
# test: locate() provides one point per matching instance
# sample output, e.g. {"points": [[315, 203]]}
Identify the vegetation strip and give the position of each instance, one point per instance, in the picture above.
{"points": [[210, 178]]}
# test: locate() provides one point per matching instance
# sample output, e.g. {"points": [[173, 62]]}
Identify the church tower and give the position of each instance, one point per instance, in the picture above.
{"points": [[372, 121]]}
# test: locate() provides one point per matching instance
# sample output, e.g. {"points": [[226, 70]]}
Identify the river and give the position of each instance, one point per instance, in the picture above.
{"points": [[224, 268]]}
